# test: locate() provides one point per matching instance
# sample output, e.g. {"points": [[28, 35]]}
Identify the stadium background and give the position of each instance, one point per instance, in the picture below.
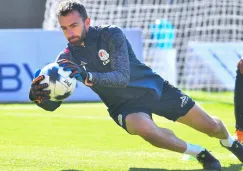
{"points": [[22, 14], [193, 44]]}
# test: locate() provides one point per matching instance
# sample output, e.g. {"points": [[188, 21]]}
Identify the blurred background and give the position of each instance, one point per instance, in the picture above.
{"points": [[193, 44], [22, 14]]}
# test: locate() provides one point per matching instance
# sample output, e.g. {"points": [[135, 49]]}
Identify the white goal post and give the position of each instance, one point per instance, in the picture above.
{"points": [[173, 25]]}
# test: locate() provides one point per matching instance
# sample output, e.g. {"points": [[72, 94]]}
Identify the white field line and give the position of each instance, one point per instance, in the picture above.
{"points": [[84, 117], [57, 116], [163, 154], [17, 107]]}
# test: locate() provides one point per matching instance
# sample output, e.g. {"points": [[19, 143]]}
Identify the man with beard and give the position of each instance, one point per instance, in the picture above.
{"points": [[103, 59]]}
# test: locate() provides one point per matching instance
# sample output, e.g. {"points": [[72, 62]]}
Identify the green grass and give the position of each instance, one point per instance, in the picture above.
{"points": [[82, 137]]}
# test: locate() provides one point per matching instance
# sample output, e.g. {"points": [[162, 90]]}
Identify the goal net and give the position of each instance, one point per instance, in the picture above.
{"points": [[180, 28]]}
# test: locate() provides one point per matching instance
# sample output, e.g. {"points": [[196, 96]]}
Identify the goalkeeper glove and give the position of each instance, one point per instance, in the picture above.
{"points": [[78, 72], [37, 94]]}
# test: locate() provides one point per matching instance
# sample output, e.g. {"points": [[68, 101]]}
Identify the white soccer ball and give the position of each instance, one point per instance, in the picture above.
{"points": [[60, 84]]}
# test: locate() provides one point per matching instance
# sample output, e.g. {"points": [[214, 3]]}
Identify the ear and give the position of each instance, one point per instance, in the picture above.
{"points": [[87, 23]]}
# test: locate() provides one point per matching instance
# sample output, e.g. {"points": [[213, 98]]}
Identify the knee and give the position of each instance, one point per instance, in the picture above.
{"points": [[146, 131], [214, 127], [144, 128]]}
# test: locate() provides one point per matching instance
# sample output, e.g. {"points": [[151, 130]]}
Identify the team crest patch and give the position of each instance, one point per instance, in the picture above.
{"points": [[104, 56]]}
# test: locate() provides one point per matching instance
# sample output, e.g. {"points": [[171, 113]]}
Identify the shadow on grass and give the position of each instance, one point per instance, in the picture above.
{"points": [[71, 170], [233, 167]]}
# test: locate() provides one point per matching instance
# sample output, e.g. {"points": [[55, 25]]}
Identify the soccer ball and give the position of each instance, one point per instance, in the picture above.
{"points": [[60, 84]]}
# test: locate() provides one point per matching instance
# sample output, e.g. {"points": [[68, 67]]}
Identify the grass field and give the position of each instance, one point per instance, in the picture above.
{"points": [[82, 137]]}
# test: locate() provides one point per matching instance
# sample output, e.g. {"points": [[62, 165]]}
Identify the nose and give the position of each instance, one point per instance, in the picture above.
{"points": [[70, 32]]}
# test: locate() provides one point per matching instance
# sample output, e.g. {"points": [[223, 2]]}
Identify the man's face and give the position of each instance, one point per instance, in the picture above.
{"points": [[74, 28]]}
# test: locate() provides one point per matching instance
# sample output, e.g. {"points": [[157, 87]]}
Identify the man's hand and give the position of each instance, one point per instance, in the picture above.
{"points": [[240, 66], [37, 94], [78, 72]]}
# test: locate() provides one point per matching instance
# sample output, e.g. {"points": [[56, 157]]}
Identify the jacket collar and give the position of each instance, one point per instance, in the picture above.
{"points": [[91, 37]]}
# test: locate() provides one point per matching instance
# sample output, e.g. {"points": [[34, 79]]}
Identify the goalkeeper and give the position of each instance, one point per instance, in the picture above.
{"points": [[238, 99], [130, 89]]}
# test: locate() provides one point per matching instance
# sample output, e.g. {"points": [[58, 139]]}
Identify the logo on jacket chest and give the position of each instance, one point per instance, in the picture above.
{"points": [[104, 56]]}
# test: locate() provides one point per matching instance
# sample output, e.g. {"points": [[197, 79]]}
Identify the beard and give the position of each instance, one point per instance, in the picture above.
{"points": [[78, 40]]}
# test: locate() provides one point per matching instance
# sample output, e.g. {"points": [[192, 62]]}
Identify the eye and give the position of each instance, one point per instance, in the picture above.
{"points": [[74, 25]]}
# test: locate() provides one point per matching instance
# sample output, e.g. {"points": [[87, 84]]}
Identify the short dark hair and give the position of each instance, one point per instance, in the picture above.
{"points": [[67, 6]]}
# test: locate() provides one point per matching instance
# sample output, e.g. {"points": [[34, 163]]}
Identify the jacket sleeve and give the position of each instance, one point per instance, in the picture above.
{"points": [[118, 52]]}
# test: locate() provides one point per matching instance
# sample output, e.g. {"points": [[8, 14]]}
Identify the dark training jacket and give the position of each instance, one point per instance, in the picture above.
{"points": [[118, 76]]}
